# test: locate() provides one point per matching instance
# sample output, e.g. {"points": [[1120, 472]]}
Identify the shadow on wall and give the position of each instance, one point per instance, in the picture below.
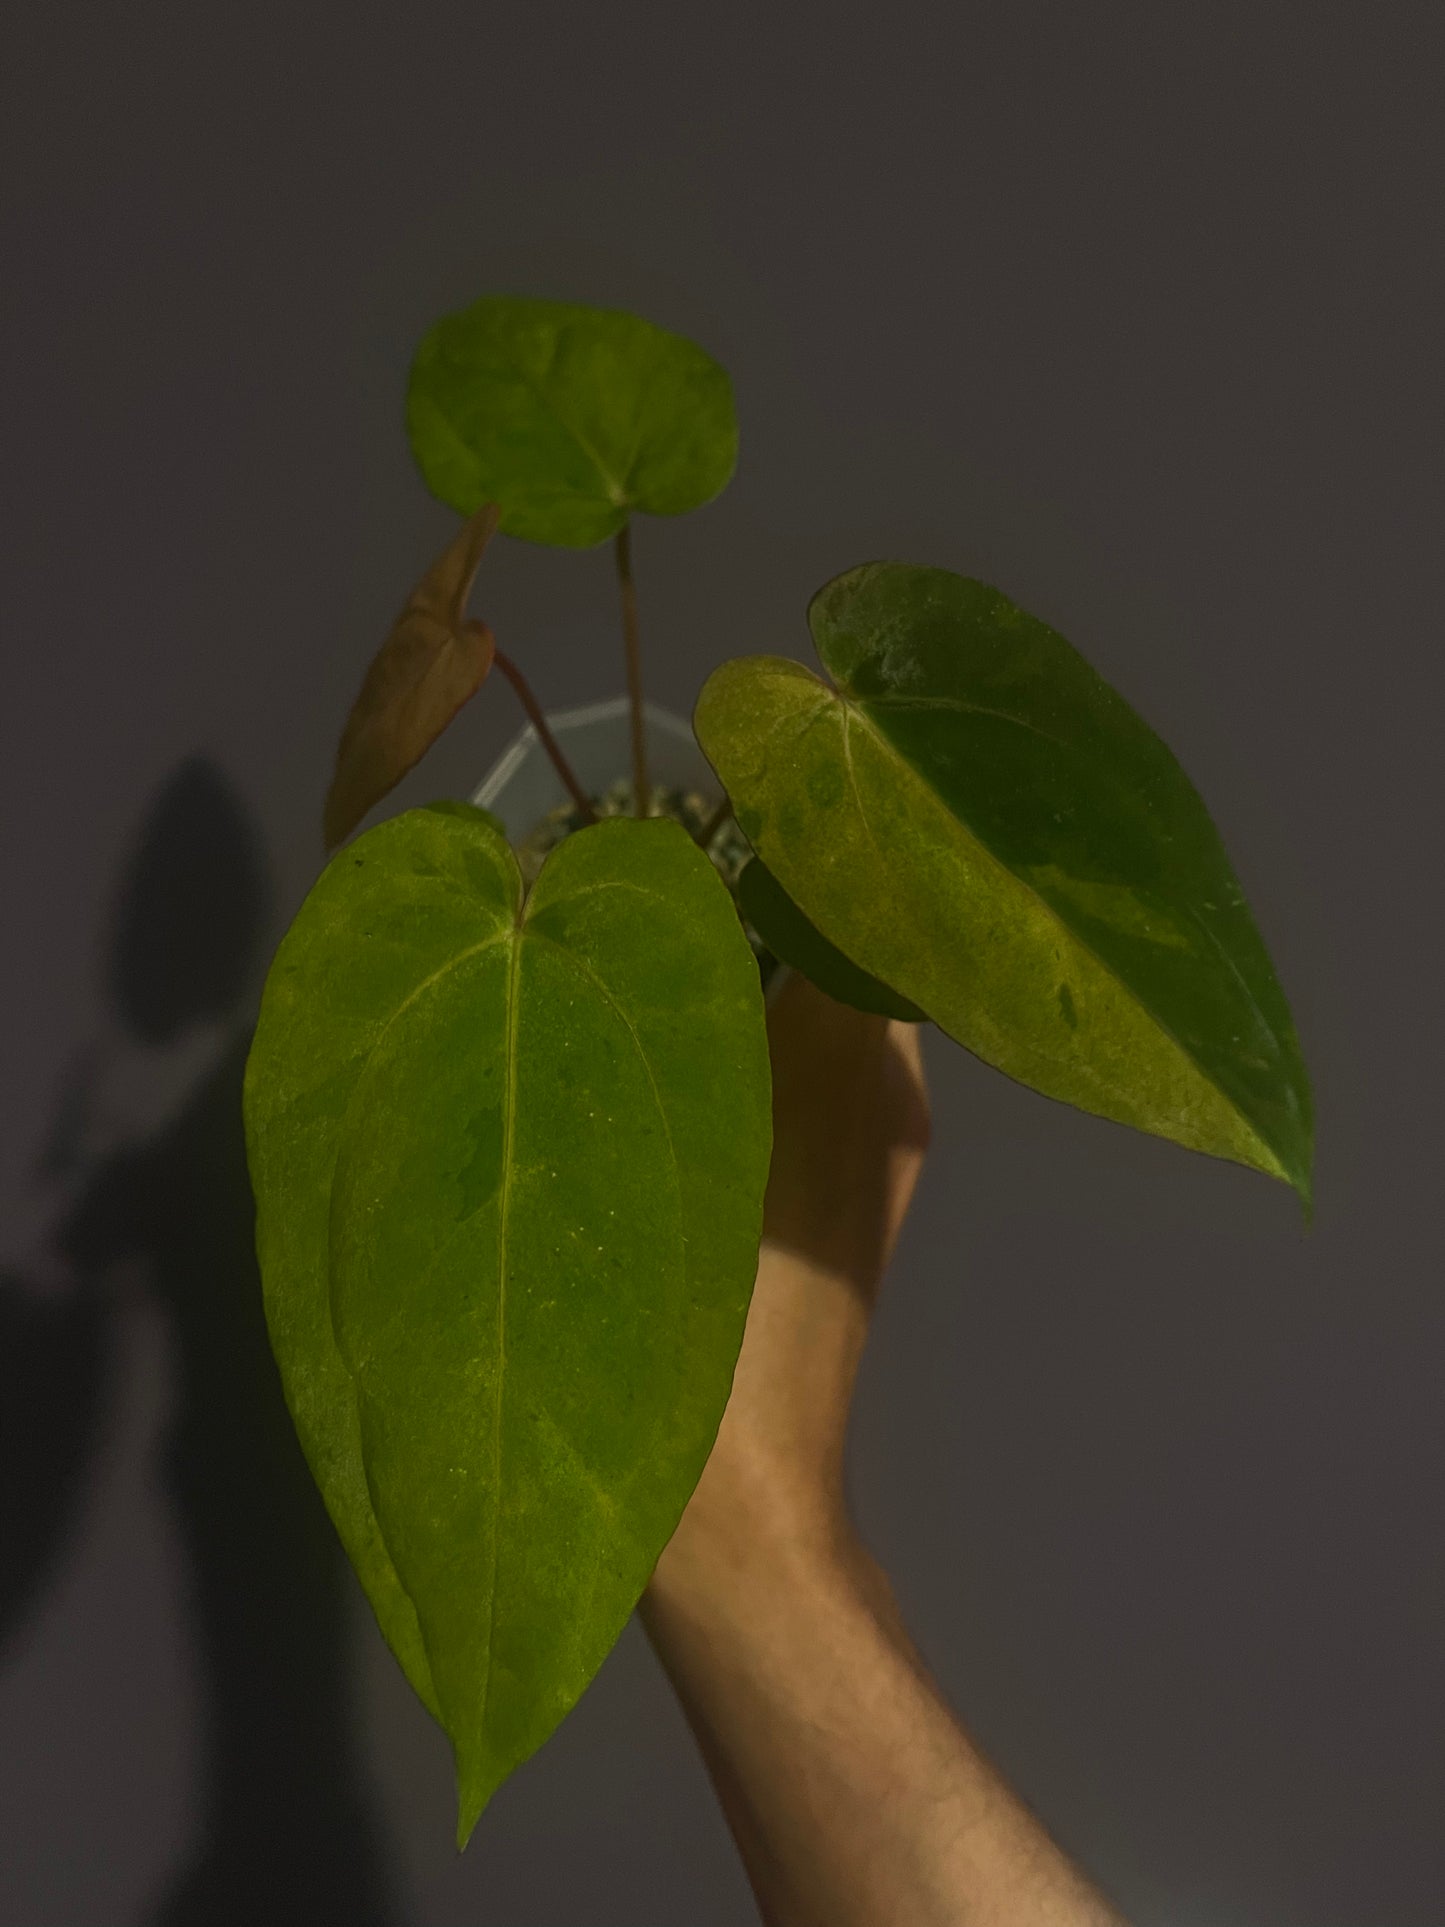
{"points": [[287, 1835]]}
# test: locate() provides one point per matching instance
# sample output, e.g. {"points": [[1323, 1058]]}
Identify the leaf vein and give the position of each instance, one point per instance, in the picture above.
{"points": [[509, 1115], [1102, 1082], [581, 963], [967, 709]]}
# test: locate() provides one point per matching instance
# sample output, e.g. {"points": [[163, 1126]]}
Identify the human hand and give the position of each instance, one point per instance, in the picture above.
{"points": [[853, 1793], [850, 1127]]}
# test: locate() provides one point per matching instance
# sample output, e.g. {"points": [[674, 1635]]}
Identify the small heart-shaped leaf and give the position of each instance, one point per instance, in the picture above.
{"points": [[509, 1162], [569, 417], [974, 817], [431, 663]]}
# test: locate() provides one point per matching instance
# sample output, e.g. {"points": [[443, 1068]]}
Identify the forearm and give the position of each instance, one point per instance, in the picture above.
{"points": [[855, 1798]]}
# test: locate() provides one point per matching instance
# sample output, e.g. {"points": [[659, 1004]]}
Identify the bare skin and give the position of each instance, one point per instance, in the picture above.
{"points": [[855, 1797]]}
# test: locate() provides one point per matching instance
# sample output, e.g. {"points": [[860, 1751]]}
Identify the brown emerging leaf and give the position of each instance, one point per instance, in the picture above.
{"points": [[433, 660]]}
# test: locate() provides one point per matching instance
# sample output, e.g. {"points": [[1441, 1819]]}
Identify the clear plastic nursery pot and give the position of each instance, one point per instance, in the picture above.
{"points": [[522, 787]]}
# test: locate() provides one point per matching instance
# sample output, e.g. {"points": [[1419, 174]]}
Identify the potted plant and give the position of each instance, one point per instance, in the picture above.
{"points": [[508, 1101]]}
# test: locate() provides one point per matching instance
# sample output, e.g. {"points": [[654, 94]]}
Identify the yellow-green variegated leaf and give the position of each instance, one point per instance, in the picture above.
{"points": [[800, 945], [509, 1161], [973, 816]]}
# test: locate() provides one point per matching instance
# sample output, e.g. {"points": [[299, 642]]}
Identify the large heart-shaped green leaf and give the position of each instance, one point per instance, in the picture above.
{"points": [[975, 817], [509, 1161], [568, 417]]}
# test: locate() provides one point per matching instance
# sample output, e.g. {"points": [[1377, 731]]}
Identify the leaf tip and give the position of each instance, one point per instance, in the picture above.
{"points": [[1296, 1169], [475, 1787], [1295, 1163], [1302, 1183]]}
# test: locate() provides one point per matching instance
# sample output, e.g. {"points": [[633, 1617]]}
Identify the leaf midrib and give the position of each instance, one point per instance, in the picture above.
{"points": [[611, 483], [503, 1212], [964, 708], [581, 963], [517, 937], [1210, 936], [561, 493], [850, 709]]}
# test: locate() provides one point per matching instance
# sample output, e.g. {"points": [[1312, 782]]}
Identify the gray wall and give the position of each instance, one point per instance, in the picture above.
{"points": [[1132, 310]]}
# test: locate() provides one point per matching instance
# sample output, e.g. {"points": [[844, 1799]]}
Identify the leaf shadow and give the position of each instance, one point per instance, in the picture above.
{"points": [[286, 1830]]}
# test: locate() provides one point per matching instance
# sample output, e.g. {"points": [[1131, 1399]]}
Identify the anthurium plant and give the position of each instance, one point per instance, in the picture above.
{"points": [[508, 1122]]}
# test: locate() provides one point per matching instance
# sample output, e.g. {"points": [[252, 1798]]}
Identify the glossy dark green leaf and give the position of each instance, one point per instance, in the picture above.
{"points": [[801, 945], [568, 417], [509, 1164], [975, 817]]}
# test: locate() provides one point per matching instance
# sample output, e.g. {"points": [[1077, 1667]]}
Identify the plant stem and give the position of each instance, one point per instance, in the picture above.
{"points": [[544, 735], [707, 835], [641, 790]]}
